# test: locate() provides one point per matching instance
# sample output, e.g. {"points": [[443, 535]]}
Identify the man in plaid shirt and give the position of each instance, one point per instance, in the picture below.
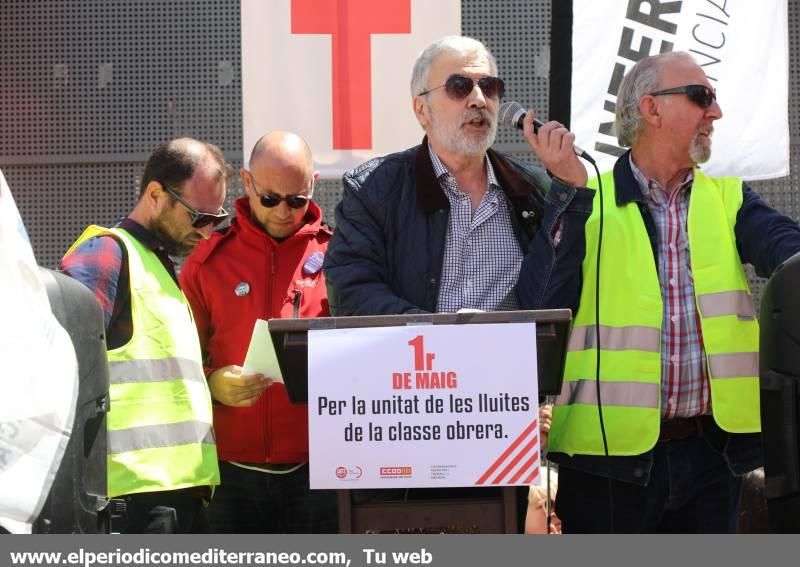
{"points": [[678, 340], [130, 270]]}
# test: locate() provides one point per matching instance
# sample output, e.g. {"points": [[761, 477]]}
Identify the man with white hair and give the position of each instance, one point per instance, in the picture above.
{"points": [[675, 401], [443, 226]]}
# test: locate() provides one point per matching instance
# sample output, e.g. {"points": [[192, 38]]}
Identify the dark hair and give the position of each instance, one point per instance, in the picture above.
{"points": [[176, 161]]}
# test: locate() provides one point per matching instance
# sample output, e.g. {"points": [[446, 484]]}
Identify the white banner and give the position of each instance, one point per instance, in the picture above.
{"points": [[39, 379], [337, 72], [743, 47], [423, 406]]}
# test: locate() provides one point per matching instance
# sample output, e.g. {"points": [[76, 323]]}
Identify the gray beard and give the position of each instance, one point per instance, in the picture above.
{"points": [[455, 141], [700, 152]]}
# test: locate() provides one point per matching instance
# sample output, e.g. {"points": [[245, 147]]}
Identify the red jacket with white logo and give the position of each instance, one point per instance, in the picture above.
{"points": [[232, 279]]}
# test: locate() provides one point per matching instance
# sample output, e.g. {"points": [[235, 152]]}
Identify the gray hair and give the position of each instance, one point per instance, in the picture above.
{"points": [[640, 80], [456, 44]]}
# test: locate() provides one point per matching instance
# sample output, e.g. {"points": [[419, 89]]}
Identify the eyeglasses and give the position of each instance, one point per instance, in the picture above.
{"points": [[199, 219], [701, 95], [271, 200], [458, 87]]}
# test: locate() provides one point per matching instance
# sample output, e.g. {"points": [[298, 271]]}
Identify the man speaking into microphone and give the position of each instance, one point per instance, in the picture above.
{"points": [[444, 225]]}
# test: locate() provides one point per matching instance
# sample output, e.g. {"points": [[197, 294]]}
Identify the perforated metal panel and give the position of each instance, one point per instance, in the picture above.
{"points": [[58, 201], [88, 89], [99, 78], [327, 194], [784, 193], [517, 32], [95, 86], [794, 73]]}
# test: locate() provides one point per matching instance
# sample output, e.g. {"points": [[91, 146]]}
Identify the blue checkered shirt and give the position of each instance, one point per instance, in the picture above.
{"points": [[482, 256]]}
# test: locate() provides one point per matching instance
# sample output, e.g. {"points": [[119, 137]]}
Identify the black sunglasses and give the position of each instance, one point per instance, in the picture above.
{"points": [[271, 200], [199, 219], [701, 95], [459, 87]]}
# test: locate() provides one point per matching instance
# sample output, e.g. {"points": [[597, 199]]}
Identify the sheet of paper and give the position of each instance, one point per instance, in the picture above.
{"points": [[261, 356]]}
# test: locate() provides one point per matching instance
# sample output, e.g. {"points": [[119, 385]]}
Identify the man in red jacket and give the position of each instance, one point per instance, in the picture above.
{"points": [[267, 264]]}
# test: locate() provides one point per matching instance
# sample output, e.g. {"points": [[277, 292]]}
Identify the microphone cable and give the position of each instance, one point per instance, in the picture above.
{"points": [[597, 346], [511, 114], [609, 465]]}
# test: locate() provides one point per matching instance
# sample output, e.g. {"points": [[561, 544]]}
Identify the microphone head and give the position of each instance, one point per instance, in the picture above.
{"points": [[511, 114]]}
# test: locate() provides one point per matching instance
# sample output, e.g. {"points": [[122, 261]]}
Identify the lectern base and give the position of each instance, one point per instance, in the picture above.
{"points": [[491, 515]]}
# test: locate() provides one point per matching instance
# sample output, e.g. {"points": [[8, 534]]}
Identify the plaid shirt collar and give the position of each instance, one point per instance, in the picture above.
{"points": [[649, 185], [440, 170]]}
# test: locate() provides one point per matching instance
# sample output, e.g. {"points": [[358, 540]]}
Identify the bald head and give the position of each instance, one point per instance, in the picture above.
{"points": [[281, 149], [281, 165]]}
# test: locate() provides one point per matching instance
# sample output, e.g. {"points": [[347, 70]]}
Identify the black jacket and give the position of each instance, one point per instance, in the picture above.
{"points": [[386, 253]]}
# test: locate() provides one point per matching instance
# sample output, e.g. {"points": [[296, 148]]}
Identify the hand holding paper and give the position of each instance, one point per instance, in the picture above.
{"points": [[231, 386], [261, 357]]}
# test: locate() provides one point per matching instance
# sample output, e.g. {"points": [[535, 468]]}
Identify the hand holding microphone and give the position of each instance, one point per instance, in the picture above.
{"points": [[552, 143]]}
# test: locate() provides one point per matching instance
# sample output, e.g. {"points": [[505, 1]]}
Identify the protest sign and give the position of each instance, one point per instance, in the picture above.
{"points": [[423, 406]]}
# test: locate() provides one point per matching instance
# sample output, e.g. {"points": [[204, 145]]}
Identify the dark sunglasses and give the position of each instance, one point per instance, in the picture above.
{"points": [[701, 95], [459, 87], [271, 200], [199, 219]]}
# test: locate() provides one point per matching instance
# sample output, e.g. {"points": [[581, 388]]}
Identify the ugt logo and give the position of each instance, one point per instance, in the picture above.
{"points": [[345, 473]]}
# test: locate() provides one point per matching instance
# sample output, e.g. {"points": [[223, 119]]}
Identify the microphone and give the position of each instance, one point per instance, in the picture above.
{"points": [[512, 114]]}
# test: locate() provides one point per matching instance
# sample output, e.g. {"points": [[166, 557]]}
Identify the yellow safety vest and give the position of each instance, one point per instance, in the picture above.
{"points": [[631, 311], [159, 424]]}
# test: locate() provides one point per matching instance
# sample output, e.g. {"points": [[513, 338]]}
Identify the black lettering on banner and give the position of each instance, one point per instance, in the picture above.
{"points": [[353, 433], [460, 405], [406, 429], [707, 61], [701, 42], [434, 404], [720, 8], [395, 404], [359, 406], [619, 69], [326, 406], [375, 432], [647, 14], [627, 51], [460, 430], [652, 16], [712, 18], [607, 128], [709, 34], [402, 432]]}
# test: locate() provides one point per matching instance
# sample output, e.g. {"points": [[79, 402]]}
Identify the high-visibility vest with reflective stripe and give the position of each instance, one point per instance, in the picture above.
{"points": [[631, 312], [159, 424]]}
